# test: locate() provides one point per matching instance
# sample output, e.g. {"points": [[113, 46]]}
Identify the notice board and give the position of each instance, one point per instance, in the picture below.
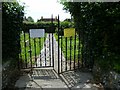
{"points": [[68, 32], [35, 33]]}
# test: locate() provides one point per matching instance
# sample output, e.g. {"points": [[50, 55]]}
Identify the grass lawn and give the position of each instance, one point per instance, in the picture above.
{"points": [[39, 46], [73, 50]]}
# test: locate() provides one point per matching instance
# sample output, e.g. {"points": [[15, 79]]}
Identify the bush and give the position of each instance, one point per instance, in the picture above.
{"points": [[67, 24], [12, 18]]}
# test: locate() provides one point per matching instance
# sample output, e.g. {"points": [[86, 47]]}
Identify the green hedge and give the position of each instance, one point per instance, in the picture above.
{"points": [[49, 27], [98, 25], [67, 24], [12, 19]]}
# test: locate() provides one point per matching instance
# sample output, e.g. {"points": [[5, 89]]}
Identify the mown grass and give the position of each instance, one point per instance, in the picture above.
{"points": [[76, 52], [25, 50]]}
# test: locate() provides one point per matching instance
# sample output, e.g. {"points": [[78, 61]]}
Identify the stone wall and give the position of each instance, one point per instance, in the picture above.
{"points": [[110, 79], [10, 73]]}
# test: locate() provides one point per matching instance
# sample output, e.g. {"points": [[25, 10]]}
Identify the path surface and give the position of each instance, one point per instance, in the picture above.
{"points": [[46, 58], [43, 78]]}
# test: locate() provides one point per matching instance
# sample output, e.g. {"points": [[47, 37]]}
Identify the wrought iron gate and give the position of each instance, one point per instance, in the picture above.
{"points": [[42, 52], [69, 51], [37, 52], [74, 52]]}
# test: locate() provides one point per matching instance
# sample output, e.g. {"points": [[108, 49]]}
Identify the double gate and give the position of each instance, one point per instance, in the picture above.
{"points": [[52, 50]]}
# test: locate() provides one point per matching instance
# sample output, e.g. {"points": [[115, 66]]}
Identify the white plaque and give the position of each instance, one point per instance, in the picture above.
{"points": [[34, 33]]}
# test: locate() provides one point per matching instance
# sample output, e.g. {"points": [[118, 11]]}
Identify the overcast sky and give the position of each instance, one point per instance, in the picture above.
{"points": [[45, 8]]}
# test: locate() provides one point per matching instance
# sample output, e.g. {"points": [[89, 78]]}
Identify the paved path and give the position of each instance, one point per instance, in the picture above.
{"points": [[43, 78], [46, 58]]}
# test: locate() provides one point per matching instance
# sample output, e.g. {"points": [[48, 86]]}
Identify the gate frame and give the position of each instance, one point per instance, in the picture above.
{"points": [[20, 62]]}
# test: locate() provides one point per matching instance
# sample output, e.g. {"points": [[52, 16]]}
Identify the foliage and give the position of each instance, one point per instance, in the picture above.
{"points": [[30, 19], [12, 18], [98, 26], [66, 24], [48, 26]]}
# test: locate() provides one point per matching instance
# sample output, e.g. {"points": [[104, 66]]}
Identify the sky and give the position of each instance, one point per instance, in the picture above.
{"points": [[45, 8]]}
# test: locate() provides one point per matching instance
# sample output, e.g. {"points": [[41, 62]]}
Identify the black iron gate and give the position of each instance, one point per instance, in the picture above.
{"points": [[37, 52], [69, 53], [43, 51], [74, 51]]}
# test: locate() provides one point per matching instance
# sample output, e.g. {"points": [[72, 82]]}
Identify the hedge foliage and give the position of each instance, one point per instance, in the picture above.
{"points": [[48, 26], [12, 21]]}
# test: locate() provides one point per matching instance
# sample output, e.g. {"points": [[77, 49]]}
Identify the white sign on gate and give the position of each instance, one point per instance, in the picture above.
{"points": [[34, 33]]}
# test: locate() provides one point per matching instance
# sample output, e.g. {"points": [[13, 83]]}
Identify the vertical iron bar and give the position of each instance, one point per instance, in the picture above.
{"points": [[45, 50], [92, 54], [35, 51], [74, 49], [49, 49], [82, 54], [18, 56], [58, 46], [21, 62], [25, 50], [88, 53], [91, 49], [52, 43], [30, 51], [61, 52], [66, 51], [79, 51], [40, 49], [52, 50], [82, 50], [86, 50], [19, 59], [70, 51]]}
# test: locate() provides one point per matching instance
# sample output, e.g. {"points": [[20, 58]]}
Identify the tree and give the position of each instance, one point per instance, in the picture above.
{"points": [[98, 26], [30, 19]]}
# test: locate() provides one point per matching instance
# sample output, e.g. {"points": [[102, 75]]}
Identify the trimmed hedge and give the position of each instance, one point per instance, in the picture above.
{"points": [[49, 27]]}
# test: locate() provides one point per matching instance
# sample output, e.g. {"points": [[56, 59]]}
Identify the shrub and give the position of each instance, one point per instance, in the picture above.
{"points": [[12, 18]]}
